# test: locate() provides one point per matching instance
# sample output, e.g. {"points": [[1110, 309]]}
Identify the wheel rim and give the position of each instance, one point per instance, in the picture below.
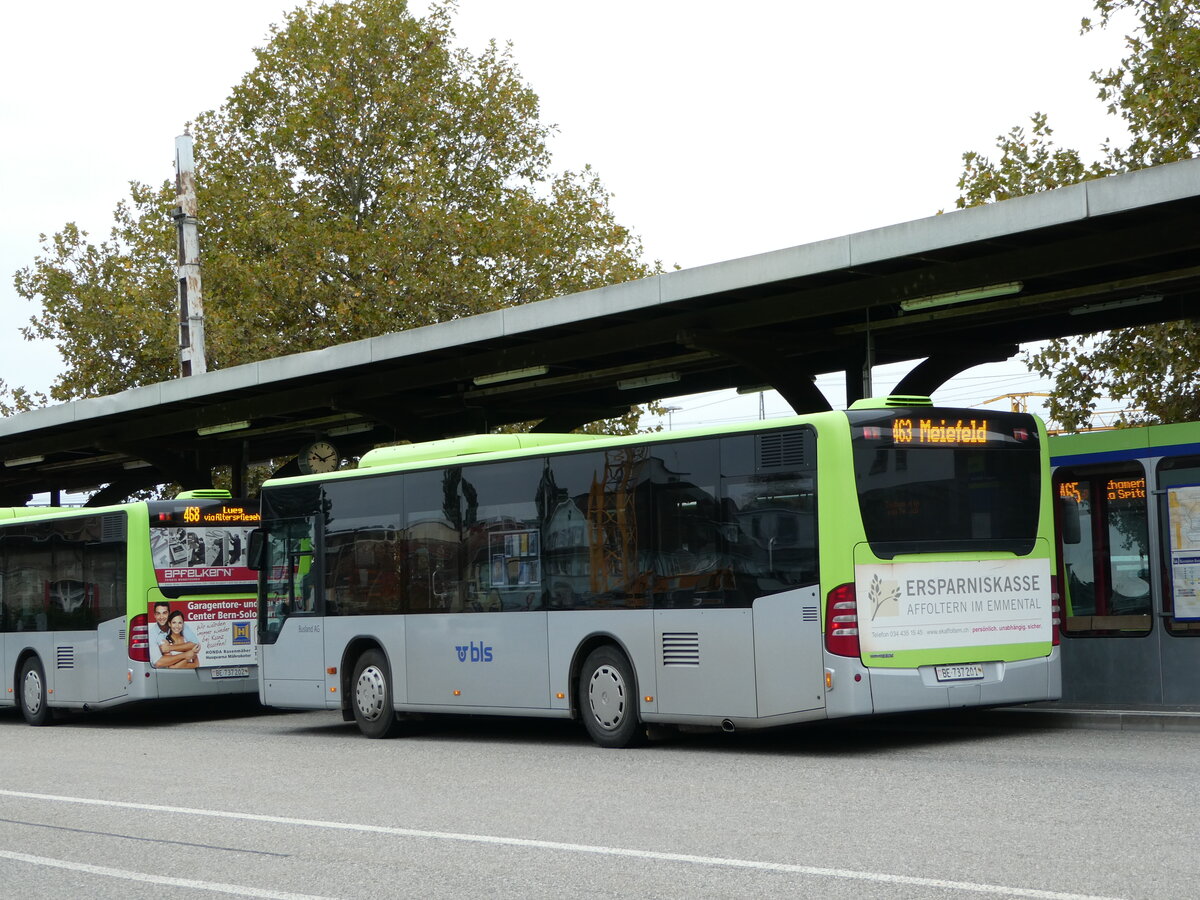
{"points": [[33, 691], [370, 694], [607, 697]]}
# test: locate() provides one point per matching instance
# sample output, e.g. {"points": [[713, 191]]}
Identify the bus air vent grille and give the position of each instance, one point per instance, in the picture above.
{"points": [[112, 528], [782, 450], [66, 657], [681, 648], [810, 614], [904, 400]]}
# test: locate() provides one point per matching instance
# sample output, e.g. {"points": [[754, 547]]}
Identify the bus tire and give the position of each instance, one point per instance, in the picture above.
{"points": [[32, 693], [371, 696], [608, 699]]}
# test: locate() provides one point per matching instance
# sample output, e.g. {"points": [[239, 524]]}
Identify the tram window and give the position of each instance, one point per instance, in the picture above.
{"points": [[1107, 572], [1179, 524]]}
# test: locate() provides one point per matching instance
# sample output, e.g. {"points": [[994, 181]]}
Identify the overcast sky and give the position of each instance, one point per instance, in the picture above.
{"points": [[722, 129]]}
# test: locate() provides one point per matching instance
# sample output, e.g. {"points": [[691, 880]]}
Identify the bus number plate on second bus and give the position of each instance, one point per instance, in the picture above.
{"points": [[232, 672], [968, 672]]}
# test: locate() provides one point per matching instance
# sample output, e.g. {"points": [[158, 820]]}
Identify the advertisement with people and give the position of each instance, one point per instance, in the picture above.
{"points": [[193, 634]]}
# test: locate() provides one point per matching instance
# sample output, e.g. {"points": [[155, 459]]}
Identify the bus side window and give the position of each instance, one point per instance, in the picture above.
{"points": [[775, 542]]}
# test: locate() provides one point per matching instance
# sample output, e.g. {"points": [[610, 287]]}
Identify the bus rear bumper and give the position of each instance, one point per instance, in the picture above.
{"points": [[1004, 683]]}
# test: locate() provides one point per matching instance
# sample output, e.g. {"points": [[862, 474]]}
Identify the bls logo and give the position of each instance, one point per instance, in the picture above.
{"points": [[477, 652]]}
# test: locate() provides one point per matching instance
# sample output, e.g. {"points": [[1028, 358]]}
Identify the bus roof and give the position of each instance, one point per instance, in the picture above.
{"points": [[490, 447]]}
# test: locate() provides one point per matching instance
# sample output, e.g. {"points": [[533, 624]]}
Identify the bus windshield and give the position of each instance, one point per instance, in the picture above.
{"points": [[286, 587], [200, 545], [953, 481]]}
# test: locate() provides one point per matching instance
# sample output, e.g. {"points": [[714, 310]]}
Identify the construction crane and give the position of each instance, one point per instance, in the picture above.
{"points": [[1019, 402]]}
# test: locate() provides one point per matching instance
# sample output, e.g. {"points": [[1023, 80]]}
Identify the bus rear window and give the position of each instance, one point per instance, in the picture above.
{"points": [[946, 480], [201, 543]]}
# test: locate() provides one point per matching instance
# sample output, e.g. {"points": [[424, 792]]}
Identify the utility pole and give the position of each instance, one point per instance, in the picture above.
{"points": [[187, 269]]}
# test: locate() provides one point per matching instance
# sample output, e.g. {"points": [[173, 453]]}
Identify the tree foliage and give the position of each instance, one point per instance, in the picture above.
{"points": [[1155, 91], [367, 176], [18, 400], [1028, 163]]}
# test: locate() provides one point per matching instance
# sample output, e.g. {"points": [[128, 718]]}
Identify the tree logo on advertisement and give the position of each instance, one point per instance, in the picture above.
{"points": [[884, 597]]}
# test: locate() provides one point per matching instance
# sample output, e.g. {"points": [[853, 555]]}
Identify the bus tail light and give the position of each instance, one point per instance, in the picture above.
{"points": [[1055, 610], [841, 621], [139, 638]]}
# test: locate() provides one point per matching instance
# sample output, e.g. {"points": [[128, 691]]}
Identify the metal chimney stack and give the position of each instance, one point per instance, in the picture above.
{"points": [[187, 269]]}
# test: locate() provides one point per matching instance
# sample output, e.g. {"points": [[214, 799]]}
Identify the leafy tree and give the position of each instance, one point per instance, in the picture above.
{"points": [[1155, 92], [17, 400], [365, 177]]}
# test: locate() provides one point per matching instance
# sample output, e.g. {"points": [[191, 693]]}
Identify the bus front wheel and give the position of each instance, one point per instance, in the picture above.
{"points": [[372, 696], [608, 699], [33, 696]]}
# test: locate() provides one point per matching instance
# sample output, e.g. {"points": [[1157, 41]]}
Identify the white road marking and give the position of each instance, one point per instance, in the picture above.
{"points": [[724, 862], [235, 889]]}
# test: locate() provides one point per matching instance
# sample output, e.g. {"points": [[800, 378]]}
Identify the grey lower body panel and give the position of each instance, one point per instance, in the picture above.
{"points": [[1004, 683]]}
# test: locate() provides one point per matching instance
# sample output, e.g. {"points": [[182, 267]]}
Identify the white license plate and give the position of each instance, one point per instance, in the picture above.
{"points": [[232, 672], [965, 672]]}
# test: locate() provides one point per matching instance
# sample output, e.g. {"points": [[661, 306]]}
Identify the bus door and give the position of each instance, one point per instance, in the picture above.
{"points": [[290, 612]]}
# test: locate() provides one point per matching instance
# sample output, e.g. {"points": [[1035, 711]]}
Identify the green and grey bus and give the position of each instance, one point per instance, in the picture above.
{"points": [[107, 605], [889, 557]]}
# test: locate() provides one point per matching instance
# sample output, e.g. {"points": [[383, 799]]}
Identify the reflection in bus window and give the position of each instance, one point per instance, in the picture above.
{"points": [[288, 587], [361, 565], [774, 532], [60, 575]]}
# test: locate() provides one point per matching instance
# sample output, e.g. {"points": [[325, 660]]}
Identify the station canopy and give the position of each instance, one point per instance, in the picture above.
{"points": [[946, 292]]}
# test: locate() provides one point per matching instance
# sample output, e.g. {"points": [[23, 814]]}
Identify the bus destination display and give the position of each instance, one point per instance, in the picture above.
{"points": [[201, 543], [916, 431]]}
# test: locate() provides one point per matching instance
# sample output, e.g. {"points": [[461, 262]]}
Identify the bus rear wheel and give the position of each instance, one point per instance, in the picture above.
{"points": [[608, 699], [32, 693], [372, 696]]}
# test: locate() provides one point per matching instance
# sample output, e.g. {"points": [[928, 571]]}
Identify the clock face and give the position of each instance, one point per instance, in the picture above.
{"points": [[319, 456]]}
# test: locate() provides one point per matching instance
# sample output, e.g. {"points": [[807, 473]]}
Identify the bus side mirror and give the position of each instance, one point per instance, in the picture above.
{"points": [[257, 549], [1068, 520]]}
